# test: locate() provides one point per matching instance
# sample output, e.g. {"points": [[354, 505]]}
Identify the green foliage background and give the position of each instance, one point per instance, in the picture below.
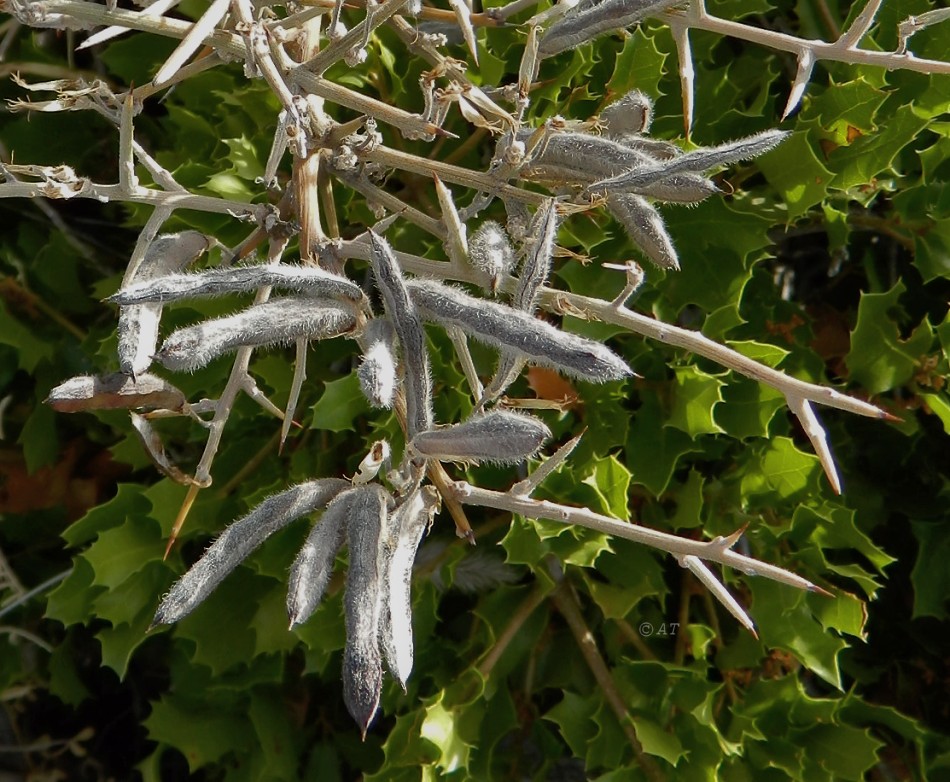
{"points": [[851, 216]]}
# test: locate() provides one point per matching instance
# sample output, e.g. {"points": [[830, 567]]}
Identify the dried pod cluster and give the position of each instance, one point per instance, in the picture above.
{"points": [[381, 514]]}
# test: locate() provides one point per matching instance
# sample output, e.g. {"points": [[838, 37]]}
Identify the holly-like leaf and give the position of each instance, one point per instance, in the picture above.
{"points": [[340, 406]]}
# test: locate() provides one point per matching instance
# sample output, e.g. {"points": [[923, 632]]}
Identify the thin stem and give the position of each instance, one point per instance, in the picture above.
{"points": [[521, 614], [716, 550], [565, 600]]}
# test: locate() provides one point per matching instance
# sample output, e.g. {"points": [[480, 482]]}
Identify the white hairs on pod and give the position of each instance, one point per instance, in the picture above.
{"points": [[533, 274], [311, 571], [138, 325], [592, 19], [116, 391], [491, 254], [362, 657], [398, 545], [645, 226], [631, 113], [241, 538], [412, 339], [504, 327], [701, 159], [241, 279], [275, 322], [377, 371], [498, 436]]}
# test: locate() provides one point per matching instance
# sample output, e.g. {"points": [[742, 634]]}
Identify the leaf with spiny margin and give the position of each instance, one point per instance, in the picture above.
{"points": [[782, 470], [784, 621], [72, 601], [855, 102], [120, 641], [930, 576], [220, 627], [124, 603], [796, 172], [269, 624], [654, 450], [844, 613], [869, 156], [747, 408], [202, 732], [836, 527], [128, 503], [529, 541], [639, 65], [340, 406], [611, 481], [657, 741], [844, 751], [716, 260], [574, 716], [608, 747], [879, 359], [120, 552], [695, 397], [689, 502], [441, 728]]}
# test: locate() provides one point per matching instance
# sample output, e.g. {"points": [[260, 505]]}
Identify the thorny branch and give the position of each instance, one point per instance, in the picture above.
{"points": [[383, 512]]}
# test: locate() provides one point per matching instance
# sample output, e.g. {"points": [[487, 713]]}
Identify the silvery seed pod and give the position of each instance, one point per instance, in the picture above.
{"points": [[240, 279], [377, 371], [491, 254], [498, 436], [505, 327], [275, 322], [138, 325], [241, 538], [362, 658]]}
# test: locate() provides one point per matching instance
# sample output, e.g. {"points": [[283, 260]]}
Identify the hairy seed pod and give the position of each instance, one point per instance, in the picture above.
{"points": [[632, 113], [504, 327], [537, 261], [491, 254], [138, 325], [568, 156], [397, 552], [645, 226], [242, 279], [377, 371], [498, 436], [412, 339], [241, 538], [701, 159], [362, 658], [311, 571], [116, 391], [275, 322], [686, 188], [592, 19], [656, 148]]}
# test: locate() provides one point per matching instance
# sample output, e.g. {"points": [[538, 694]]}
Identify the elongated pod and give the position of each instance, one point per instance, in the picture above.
{"points": [[311, 571], [377, 371], [500, 436], [362, 658], [700, 159], [239, 540], [114, 392], [138, 325], [592, 19], [242, 279], [397, 552], [275, 322], [408, 326], [645, 227], [504, 327]]}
